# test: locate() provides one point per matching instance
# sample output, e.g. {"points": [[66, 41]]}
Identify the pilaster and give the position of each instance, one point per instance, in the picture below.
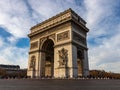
{"points": [[85, 64]]}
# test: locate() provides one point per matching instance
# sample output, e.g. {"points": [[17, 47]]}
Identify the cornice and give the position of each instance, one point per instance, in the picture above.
{"points": [[67, 15], [49, 27]]}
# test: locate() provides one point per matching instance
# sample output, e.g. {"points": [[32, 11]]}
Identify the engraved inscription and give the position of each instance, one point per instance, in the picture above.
{"points": [[63, 36], [34, 45]]}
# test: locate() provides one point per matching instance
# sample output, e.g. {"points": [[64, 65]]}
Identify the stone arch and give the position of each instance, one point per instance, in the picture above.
{"points": [[42, 40], [47, 61]]}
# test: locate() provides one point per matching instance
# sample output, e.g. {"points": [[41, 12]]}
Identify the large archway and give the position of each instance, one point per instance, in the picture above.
{"points": [[48, 63]]}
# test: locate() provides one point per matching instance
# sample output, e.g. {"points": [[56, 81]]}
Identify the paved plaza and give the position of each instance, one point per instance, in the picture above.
{"points": [[37, 84]]}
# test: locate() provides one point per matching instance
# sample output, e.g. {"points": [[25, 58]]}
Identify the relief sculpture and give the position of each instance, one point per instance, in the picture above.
{"points": [[79, 38], [34, 45], [63, 57], [63, 36], [32, 63]]}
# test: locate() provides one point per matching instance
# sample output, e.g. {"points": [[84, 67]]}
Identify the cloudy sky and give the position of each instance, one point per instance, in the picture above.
{"points": [[102, 17]]}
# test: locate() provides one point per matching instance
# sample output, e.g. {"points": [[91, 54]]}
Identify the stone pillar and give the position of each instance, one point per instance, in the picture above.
{"points": [[32, 73], [42, 64], [39, 65], [74, 62], [56, 64], [85, 64], [32, 67], [28, 68]]}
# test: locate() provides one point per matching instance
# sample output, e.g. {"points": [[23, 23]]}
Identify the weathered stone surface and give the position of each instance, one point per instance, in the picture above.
{"points": [[56, 44]]}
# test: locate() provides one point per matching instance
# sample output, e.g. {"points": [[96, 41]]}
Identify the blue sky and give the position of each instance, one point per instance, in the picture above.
{"points": [[102, 17]]}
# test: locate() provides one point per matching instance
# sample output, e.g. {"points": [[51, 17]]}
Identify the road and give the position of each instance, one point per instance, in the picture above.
{"points": [[51, 84]]}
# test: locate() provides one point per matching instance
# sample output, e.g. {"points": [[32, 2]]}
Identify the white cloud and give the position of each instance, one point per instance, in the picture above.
{"points": [[18, 18], [44, 9], [101, 20], [15, 18], [11, 39], [1, 42], [10, 54], [99, 17], [106, 55]]}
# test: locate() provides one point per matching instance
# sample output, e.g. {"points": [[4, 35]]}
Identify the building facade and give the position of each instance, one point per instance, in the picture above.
{"points": [[58, 47], [9, 67]]}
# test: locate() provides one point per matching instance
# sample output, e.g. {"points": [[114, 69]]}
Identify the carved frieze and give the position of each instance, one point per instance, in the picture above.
{"points": [[63, 57], [63, 36], [48, 31], [34, 45], [77, 37]]}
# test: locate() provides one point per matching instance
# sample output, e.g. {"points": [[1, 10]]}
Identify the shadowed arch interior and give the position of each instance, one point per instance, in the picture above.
{"points": [[48, 49]]}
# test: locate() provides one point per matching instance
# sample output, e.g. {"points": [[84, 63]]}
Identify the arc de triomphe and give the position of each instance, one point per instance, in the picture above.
{"points": [[58, 47]]}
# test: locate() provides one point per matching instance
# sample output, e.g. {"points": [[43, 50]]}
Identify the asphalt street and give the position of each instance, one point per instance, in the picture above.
{"points": [[52, 84]]}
